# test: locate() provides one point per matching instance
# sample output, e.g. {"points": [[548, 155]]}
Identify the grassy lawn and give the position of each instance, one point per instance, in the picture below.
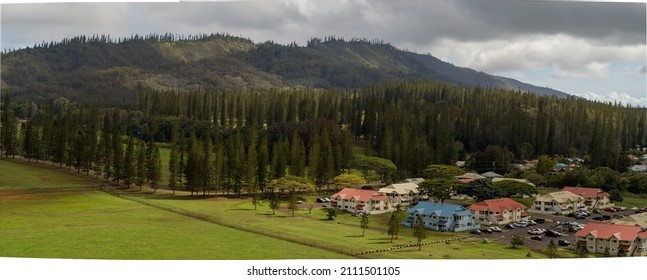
{"points": [[15, 174], [632, 201], [96, 225], [472, 248]]}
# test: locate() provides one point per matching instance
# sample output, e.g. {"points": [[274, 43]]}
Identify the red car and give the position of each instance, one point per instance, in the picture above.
{"points": [[610, 209]]}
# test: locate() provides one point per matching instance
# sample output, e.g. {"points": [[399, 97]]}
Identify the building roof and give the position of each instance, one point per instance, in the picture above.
{"points": [[497, 205], [402, 188], [440, 209], [606, 231], [359, 195], [638, 168], [416, 181], [468, 175], [525, 181], [491, 175], [586, 192], [639, 219], [560, 197]]}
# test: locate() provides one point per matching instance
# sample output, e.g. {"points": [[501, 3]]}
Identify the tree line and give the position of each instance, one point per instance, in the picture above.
{"points": [[230, 141]]}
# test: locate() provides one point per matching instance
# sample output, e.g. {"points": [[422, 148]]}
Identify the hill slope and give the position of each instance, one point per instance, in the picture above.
{"points": [[81, 68]]}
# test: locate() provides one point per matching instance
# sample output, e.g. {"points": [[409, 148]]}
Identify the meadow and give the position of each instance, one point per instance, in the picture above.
{"points": [[92, 224]]}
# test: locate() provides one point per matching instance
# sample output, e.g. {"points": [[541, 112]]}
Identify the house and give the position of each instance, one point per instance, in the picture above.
{"points": [[499, 211], [404, 194], [638, 168], [525, 181], [558, 203], [358, 200], [441, 216], [597, 237], [593, 198], [416, 181], [469, 177], [639, 219], [491, 175]]}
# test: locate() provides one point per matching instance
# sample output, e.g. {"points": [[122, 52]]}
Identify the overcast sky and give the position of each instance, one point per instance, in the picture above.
{"points": [[591, 49]]}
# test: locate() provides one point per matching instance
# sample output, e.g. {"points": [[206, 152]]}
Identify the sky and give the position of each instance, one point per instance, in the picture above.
{"points": [[595, 50]]}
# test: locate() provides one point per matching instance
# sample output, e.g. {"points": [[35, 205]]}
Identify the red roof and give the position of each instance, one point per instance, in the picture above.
{"points": [[497, 205], [606, 231], [586, 192], [359, 195]]}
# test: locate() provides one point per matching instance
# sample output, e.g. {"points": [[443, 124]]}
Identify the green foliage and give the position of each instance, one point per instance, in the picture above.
{"points": [[348, 181], [364, 223], [481, 189], [622, 252], [615, 195], [516, 241], [606, 253], [544, 165], [419, 231], [551, 250], [442, 171], [368, 164], [440, 188], [274, 203], [512, 188], [580, 251], [331, 213]]}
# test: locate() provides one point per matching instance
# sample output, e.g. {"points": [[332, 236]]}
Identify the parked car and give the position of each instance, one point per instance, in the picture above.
{"points": [[563, 242], [532, 223], [540, 220], [606, 217], [610, 209], [580, 217], [510, 226], [535, 231], [597, 211], [520, 224], [320, 200], [621, 208], [495, 229], [553, 233], [475, 231], [536, 237], [598, 218], [487, 230], [635, 209]]}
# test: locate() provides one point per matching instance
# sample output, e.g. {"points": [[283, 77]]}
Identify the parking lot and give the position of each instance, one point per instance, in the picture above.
{"points": [[550, 224]]}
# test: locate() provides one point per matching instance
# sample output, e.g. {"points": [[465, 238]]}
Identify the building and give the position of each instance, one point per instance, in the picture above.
{"points": [[358, 200], [404, 194], [597, 237], [416, 181], [469, 177], [525, 181], [593, 198], [560, 203], [638, 168], [441, 216], [639, 219], [499, 211]]}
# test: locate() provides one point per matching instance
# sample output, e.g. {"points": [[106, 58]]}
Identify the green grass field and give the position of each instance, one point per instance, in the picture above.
{"points": [[95, 225], [24, 175]]}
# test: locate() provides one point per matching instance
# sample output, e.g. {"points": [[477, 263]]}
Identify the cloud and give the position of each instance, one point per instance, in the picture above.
{"points": [[620, 97], [643, 70], [567, 56]]}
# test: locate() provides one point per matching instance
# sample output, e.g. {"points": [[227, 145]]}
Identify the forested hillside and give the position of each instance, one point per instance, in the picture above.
{"points": [[114, 70], [246, 138]]}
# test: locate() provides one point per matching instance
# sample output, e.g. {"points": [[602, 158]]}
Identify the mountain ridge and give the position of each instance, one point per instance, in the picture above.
{"points": [[99, 67]]}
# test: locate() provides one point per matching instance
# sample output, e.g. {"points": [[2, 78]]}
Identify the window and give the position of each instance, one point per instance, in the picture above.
{"points": [[590, 247], [614, 241]]}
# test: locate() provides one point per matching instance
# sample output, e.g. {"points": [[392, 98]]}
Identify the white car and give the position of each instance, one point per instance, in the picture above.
{"points": [[495, 229], [535, 231], [634, 208]]}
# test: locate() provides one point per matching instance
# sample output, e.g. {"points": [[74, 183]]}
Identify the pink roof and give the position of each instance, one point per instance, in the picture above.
{"points": [[586, 192], [606, 231], [497, 205], [359, 195]]}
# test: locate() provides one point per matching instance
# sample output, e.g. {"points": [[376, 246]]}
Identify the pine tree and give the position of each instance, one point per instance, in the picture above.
{"points": [[551, 250], [9, 136], [105, 145], [364, 223], [420, 232], [129, 163], [155, 169], [207, 166], [174, 164], [117, 147], [394, 227], [141, 165], [297, 156], [263, 160]]}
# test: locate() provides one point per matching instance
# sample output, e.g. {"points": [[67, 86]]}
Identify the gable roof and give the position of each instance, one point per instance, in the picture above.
{"points": [[359, 195], [638, 168], [639, 219], [403, 188], [492, 175], [440, 209], [606, 231], [468, 175], [416, 181], [586, 192], [497, 205], [560, 197]]}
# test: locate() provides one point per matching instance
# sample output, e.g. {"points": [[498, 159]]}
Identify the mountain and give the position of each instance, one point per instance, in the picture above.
{"points": [[100, 68]]}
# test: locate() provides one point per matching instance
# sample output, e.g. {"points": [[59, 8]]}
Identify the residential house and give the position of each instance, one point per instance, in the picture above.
{"points": [[416, 181], [404, 194], [597, 237], [358, 200], [638, 168], [469, 177], [562, 202], [593, 198], [441, 216], [639, 219], [491, 175], [499, 211]]}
